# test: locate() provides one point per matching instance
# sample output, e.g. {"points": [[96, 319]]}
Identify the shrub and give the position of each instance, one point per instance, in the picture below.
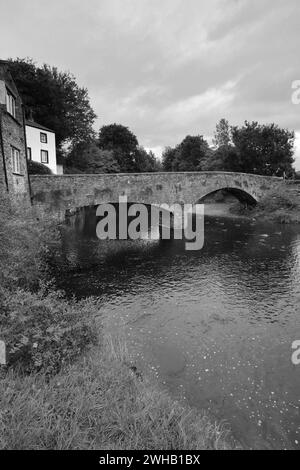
{"points": [[36, 168], [279, 206], [43, 331], [278, 199], [24, 247]]}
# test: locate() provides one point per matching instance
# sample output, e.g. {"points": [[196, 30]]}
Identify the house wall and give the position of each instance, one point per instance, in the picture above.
{"points": [[34, 142], [12, 134]]}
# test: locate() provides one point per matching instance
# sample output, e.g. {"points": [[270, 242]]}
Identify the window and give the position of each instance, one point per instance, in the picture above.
{"points": [[16, 161], [43, 137], [10, 103], [44, 156], [29, 155]]}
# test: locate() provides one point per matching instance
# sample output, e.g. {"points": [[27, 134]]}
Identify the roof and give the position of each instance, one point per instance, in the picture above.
{"points": [[38, 126]]}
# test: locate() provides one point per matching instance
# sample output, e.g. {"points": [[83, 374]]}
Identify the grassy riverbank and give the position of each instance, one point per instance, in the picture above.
{"points": [[99, 403], [279, 206], [68, 385]]}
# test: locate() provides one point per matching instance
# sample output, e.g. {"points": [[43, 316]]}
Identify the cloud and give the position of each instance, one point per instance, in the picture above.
{"points": [[167, 68]]}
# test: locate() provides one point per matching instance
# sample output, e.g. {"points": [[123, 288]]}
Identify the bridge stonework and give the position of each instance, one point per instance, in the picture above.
{"points": [[56, 195]]}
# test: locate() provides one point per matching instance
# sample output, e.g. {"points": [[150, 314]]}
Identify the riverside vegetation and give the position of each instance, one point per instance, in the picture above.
{"points": [[279, 206], [67, 384]]}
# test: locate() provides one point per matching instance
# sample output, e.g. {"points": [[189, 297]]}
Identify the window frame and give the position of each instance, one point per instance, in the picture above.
{"points": [[29, 154], [16, 162], [43, 151], [11, 103], [43, 135]]}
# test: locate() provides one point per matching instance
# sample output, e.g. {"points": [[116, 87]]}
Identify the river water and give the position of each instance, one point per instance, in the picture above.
{"points": [[214, 327]]}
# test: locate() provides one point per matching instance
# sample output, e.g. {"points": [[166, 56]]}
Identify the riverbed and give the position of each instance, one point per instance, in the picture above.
{"points": [[214, 327]]}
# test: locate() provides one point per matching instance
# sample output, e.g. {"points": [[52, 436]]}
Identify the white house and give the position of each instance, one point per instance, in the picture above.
{"points": [[41, 146]]}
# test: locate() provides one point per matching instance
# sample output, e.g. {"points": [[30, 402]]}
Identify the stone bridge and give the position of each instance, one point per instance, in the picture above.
{"points": [[58, 195]]}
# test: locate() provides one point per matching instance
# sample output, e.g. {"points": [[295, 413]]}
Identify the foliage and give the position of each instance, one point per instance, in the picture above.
{"points": [[278, 199], [224, 158], [36, 168], [146, 161], [55, 100], [42, 330], [123, 143], [100, 403], [24, 247], [168, 158], [191, 154], [280, 206], [265, 149], [86, 157], [222, 134], [129, 155]]}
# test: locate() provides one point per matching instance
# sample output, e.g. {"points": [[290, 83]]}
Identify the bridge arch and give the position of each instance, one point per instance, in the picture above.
{"points": [[241, 195]]}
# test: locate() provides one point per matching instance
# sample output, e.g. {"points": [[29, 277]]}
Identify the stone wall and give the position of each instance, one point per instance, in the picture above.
{"points": [[12, 135], [54, 195]]}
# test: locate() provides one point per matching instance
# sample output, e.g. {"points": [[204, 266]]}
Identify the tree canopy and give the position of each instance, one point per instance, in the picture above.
{"points": [[131, 157], [122, 142], [146, 161], [222, 134], [86, 157], [189, 155], [54, 99], [265, 149], [168, 158]]}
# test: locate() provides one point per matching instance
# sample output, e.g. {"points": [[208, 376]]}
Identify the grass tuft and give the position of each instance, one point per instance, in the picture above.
{"points": [[98, 403]]}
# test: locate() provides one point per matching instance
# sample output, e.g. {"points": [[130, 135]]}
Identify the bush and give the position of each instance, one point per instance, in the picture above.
{"points": [[278, 199], [24, 247], [36, 168], [43, 331], [280, 206]]}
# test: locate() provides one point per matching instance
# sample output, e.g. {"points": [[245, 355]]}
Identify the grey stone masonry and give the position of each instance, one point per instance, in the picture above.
{"points": [[54, 195], [12, 137]]}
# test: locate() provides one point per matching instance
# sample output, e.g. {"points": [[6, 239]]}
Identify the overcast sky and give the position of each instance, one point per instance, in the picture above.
{"points": [[167, 68]]}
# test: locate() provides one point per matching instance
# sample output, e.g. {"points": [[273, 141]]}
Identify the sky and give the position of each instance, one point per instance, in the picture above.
{"points": [[167, 68]]}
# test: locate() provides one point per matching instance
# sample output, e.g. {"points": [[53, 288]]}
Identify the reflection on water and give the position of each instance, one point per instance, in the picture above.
{"points": [[215, 326]]}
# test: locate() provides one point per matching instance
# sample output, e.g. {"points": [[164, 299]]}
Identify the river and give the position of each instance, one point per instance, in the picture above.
{"points": [[214, 327]]}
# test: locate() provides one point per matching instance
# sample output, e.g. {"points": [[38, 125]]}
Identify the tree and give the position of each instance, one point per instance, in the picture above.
{"points": [[222, 134], [54, 99], [264, 149], [86, 157], [168, 158], [191, 154], [122, 142], [224, 158], [146, 161]]}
